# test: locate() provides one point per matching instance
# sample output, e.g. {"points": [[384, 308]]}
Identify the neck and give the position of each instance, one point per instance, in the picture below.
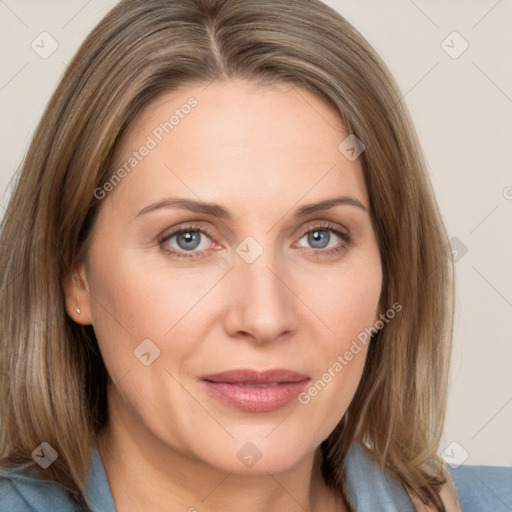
{"points": [[145, 474]]}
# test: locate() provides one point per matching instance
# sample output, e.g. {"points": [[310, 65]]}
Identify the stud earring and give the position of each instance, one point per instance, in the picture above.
{"points": [[76, 287]]}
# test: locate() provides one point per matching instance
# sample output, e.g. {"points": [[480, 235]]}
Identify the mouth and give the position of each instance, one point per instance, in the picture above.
{"points": [[255, 391]]}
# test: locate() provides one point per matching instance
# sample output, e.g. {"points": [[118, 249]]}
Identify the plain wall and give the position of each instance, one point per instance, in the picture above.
{"points": [[462, 109]]}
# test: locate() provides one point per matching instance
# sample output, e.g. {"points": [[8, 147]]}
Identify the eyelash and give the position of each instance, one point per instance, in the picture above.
{"points": [[317, 252]]}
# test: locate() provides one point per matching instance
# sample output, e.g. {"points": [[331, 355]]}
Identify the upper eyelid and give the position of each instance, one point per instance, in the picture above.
{"points": [[322, 225], [180, 229]]}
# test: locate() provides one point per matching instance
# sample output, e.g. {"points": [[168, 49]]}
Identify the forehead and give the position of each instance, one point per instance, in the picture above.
{"points": [[241, 141]]}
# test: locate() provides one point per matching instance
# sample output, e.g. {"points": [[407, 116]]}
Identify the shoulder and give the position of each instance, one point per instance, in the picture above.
{"points": [[10, 498], [22, 493], [483, 488], [478, 488]]}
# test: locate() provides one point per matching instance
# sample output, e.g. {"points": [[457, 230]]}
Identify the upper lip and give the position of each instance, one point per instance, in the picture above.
{"points": [[248, 376]]}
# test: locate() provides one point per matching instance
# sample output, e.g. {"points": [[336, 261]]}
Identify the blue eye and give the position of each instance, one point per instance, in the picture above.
{"points": [[323, 243], [192, 241], [318, 238], [187, 240]]}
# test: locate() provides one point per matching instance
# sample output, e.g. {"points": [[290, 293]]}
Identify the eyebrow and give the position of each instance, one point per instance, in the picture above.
{"points": [[216, 210]]}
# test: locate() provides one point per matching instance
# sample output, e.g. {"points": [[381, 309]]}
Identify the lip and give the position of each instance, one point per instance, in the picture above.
{"points": [[256, 391]]}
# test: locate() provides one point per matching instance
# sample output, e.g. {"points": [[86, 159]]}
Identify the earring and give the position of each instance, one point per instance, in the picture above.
{"points": [[76, 286]]}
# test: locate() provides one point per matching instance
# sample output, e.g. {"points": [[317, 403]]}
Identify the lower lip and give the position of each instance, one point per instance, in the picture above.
{"points": [[261, 399]]}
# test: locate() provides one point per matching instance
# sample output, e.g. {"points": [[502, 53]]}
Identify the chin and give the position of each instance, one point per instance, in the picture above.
{"points": [[253, 454]]}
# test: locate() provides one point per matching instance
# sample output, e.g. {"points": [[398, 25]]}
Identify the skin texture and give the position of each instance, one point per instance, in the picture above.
{"points": [[261, 152]]}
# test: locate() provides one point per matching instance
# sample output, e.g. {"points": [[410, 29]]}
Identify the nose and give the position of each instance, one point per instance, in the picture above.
{"points": [[262, 304]]}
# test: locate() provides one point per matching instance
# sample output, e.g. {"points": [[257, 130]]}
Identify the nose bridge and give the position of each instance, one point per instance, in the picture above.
{"points": [[261, 301]]}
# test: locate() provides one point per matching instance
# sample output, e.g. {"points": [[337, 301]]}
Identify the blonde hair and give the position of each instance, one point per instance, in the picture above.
{"points": [[52, 378]]}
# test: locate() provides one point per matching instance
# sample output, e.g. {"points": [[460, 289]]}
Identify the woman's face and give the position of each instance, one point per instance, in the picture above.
{"points": [[265, 281]]}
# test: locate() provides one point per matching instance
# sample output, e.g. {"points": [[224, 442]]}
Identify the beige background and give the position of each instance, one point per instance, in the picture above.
{"points": [[462, 108]]}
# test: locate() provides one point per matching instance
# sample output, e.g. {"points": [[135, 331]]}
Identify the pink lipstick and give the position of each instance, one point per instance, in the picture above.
{"points": [[255, 391]]}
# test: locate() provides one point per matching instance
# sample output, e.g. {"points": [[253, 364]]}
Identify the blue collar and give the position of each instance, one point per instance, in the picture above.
{"points": [[369, 488], [99, 495]]}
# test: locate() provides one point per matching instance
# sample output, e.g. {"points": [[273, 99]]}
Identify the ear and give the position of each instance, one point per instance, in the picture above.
{"points": [[77, 298]]}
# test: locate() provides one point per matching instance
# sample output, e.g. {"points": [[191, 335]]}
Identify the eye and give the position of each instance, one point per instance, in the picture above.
{"points": [[191, 241], [321, 239], [186, 241]]}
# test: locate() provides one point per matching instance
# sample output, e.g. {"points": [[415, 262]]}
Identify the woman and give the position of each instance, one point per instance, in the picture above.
{"points": [[223, 275]]}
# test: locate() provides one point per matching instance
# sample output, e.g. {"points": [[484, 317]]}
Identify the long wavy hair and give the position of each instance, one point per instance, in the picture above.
{"points": [[53, 382]]}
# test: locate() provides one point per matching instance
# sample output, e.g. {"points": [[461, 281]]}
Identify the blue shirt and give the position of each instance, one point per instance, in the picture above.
{"points": [[480, 489]]}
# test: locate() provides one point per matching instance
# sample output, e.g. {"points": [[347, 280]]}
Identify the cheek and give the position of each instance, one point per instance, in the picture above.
{"points": [[345, 298], [132, 302], [138, 297], [348, 304]]}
